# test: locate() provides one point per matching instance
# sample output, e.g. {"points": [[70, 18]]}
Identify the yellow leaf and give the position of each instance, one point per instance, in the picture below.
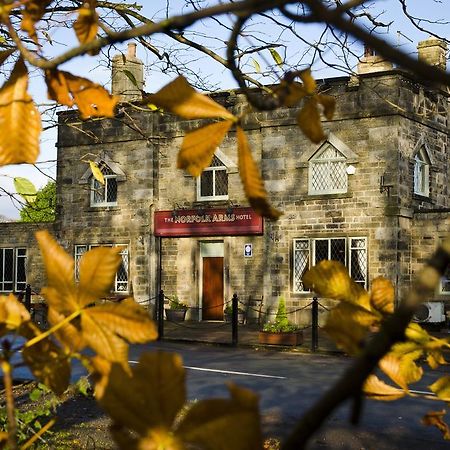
{"points": [[309, 83], [382, 295], [150, 397], [108, 328], [12, 314], [86, 26], [97, 271], [442, 388], [276, 56], [414, 332], [96, 172], [33, 12], [198, 147], [20, 121], [330, 279], [309, 122], [328, 103], [435, 418], [92, 99], [402, 370], [251, 179], [207, 421], [348, 324], [290, 93], [378, 390], [180, 98]]}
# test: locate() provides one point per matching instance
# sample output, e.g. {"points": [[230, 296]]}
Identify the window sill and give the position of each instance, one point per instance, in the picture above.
{"points": [[326, 196], [422, 198], [222, 202], [103, 208]]}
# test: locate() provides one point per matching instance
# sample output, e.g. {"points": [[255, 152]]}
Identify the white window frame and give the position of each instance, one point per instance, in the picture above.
{"points": [[422, 173], [315, 161], [13, 281], [445, 280], [312, 256], [212, 169], [104, 188], [117, 283]]}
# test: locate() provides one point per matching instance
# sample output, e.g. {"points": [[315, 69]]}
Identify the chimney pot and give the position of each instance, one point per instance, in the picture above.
{"points": [[434, 52], [131, 50]]}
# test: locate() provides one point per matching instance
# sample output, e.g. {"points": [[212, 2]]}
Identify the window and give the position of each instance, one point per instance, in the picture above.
{"points": [[445, 283], [104, 194], [352, 252], [422, 173], [213, 182], [121, 279], [13, 269], [327, 171]]}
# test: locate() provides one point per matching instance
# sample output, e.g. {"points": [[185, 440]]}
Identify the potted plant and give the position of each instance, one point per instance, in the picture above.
{"points": [[281, 332], [176, 311], [228, 313]]}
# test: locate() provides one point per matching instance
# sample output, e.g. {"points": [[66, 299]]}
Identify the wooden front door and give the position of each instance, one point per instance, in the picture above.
{"points": [[212, 301]]}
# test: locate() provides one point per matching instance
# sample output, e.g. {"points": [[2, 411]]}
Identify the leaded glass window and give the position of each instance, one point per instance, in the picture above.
{"points": [[327, 172], [213, 182], [352, 252], [445, 282], [422, 173], [13, 269], [104, 194]]}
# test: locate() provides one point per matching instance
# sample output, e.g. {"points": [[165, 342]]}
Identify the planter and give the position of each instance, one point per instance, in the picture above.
{"points": [[241, 317], [289, 338], [176, 315]]}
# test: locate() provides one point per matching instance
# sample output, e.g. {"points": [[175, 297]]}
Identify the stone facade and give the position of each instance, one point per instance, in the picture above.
{"points": [[378, 224]]}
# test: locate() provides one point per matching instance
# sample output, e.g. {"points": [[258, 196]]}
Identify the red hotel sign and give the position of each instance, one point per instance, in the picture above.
{"points": [[208, 222]]}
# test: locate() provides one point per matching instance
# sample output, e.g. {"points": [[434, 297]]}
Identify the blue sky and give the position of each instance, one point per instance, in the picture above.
{"points": [[433, 10]]}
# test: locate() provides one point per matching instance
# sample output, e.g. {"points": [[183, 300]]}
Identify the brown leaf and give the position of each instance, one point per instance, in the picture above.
{"points": [[330, 279], [92, 99], [253, 184], [20, 121], [208, 421], [382, 295], [198, 147], [290, 92], [180, 98], [33, 12], [5, 54], [308, 120], [442, 388], [328, 103], [86, 26], [309, 83], [12, 314], [149, 398], [378, 390], [435, 418]]}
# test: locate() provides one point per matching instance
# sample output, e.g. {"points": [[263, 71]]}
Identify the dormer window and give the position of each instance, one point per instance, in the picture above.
{"points": [[104, 194], [213, 182], [327, 171], [422, 173]]}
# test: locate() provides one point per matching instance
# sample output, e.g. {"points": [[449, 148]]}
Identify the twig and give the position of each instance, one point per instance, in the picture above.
{"points": [[12, 424]]}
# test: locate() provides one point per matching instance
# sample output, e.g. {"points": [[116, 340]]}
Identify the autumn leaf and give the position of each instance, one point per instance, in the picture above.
{"points": [[33, 12], [251, 180], [290, 92], [382, 295], [92, 99], [198, 147], [180, 98], [308, 120], [442, 388], [309, 83], [402, 370], [5, 54], [96, 172], [330, 279], [377, 389], [12, 314], [20, 121], [86, 25], [106, 328], [435, 418], [276, 56], [328, 103]]}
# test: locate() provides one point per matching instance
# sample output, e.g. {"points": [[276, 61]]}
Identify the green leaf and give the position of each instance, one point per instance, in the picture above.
{"points": [[25, 188], [35, 394], [131, 77], [276, 56], [256, 65]]}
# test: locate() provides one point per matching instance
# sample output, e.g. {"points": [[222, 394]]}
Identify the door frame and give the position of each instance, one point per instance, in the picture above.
{"points": [[209, 249]]}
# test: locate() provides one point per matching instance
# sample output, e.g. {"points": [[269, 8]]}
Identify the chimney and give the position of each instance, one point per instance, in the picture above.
{"points": [[371, 62], [127, 75], [434, 52]]}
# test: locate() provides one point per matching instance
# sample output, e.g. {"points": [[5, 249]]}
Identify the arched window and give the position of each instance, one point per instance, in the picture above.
{"points": [[213, 182], [422, 173], [104, 194], [327, 171]]}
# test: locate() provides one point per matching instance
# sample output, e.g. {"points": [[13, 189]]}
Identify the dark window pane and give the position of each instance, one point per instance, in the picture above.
{"points": [[9, 264], [111, 190], [321, 247], [338, 250], [221, 182], [206, 184], [99, 192], [20, 270]]}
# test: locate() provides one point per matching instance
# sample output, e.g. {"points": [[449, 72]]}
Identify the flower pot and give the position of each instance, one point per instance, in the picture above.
{"points": [[175, 315], [282, 338]]}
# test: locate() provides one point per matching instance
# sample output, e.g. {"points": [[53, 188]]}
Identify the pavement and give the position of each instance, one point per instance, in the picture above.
{"points": [[220, 333]]}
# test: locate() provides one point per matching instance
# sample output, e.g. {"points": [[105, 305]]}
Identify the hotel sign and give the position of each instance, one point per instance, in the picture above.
{"points": [[208, 222]]}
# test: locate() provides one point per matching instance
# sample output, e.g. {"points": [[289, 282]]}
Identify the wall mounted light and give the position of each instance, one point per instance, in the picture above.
{"points": [[350, 170]]}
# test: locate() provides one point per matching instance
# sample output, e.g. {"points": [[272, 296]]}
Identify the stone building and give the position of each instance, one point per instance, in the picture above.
{"points": [[374, 195]]}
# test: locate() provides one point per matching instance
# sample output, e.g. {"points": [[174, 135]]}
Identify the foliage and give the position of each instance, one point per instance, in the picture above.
{"points": [[229, 310], [175, 303], [43, 207], [281, 324]]}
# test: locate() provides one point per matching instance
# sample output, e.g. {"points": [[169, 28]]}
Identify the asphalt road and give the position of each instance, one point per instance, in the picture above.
{"points": [[289, 383]]}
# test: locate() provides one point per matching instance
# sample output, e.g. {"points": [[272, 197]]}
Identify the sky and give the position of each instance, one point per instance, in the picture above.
{"points": [[400, 33]]}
